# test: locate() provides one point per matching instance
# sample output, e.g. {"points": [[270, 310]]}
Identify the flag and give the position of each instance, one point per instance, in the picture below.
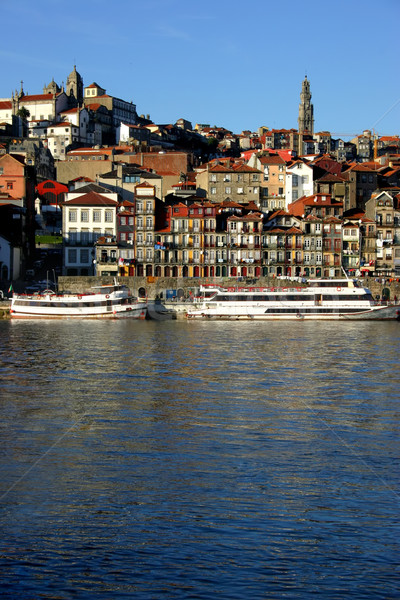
{"points": [[10, 289]]}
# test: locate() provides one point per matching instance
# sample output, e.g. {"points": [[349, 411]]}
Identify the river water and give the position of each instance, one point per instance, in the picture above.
{"points": [[199, 460]]}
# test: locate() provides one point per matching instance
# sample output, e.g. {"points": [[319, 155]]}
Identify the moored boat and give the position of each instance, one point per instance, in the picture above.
{"points": [[106, 301], [324, 299]]}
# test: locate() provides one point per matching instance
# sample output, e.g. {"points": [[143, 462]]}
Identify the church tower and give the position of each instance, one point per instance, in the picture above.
{"points": [[306, 109], [74, 87]]}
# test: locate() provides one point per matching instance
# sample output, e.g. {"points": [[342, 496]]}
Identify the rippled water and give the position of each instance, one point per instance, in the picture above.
{"points": [[199, 460]]}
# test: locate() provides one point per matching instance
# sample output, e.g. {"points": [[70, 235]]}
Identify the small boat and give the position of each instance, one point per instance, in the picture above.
{"points": [[102, 302], [324, 299]]}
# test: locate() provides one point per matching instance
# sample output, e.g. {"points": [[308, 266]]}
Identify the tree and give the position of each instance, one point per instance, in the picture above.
{"points": [[23, 113]]}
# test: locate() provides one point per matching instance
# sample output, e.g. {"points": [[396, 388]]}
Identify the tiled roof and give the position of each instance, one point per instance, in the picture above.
{"points": [[92, 199], [37, 98]]}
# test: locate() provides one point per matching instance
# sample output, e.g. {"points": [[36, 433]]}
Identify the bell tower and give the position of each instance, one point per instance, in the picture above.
{"points": [[74, 87], [306, 109]]}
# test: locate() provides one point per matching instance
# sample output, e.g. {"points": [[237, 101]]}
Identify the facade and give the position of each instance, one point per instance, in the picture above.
{"points": [[381, 209], [120, 110], [124, 180], [60, 137], [272, 180], [86, 218], [299, 181], [144, 242], [229, 182], [365, 177]]}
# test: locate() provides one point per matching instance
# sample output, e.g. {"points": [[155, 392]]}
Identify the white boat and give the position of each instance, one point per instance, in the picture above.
{"points": [[325, 299], [106, 301]]}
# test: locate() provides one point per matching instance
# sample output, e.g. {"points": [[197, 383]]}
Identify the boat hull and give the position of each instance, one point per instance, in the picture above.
{"points": [[385, 313], [127, 313]]}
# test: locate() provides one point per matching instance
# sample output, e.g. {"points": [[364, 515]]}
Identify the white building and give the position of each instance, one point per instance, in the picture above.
{"points": [[299, 181], [6, 111], [79, 117], [60, 136], [86, 217]]}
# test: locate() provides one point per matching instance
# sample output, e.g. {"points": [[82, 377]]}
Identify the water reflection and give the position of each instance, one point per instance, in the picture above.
{"points": [[201, 460]]}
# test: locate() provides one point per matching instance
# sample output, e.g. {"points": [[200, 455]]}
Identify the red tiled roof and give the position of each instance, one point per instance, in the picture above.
{"points": [[92, 199], [37, 97]]}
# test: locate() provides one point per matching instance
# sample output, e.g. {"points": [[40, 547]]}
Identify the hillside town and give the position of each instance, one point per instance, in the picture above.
{"points": [[90, 187]]}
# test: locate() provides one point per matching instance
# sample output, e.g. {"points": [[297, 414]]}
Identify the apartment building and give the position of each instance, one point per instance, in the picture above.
{"points": [[87, 216], [229, 182]]}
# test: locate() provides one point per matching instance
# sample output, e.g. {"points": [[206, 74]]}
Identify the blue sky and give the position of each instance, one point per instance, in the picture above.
{"points": [[228, 63]]}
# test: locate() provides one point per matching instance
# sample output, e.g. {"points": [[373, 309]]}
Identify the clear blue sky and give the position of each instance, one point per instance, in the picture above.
{"points": [[228, 63]]}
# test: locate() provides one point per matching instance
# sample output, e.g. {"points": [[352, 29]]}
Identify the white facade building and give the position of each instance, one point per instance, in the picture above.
{"points": [[299, 181], [86, 217], [59, 137]]}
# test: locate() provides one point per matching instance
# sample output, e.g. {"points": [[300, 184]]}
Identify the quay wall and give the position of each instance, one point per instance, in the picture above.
{"points": [[156, 287]]}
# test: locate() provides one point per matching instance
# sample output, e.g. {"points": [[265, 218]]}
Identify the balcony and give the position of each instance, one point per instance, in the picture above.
{"points": [[107, 260]]}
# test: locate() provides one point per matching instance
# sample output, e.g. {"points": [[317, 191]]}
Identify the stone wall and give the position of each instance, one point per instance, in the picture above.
{"points": [[154, 287]]}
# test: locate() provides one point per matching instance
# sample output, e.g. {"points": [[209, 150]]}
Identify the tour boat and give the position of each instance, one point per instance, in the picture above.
{"points": [[326, 299], [104, 301]]}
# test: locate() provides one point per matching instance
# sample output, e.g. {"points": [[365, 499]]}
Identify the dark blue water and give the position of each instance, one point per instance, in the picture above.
{"points": [[199, 460]]}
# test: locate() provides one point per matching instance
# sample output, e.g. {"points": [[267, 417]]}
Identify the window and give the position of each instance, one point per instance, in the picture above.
{"points": [[72, 216], [213, 190], [149, 222], [96, 216], [109, 216], [149, 207], [255, 177], [84, 216], [72, 255], [10, 185], [122, 220], [84, 256], [227, 190], [139, 207], [130, 220], [295, 181], [388, 218]]}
